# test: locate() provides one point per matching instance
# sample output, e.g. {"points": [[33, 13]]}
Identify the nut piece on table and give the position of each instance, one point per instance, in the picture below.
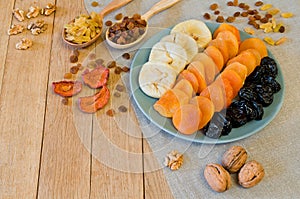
{"points": [[251, 174], [37, 27], [19, 14], [34, 11], [48, 10], [15, 29], [217, 177], [174, 160], [24, 44], [234, 158]]}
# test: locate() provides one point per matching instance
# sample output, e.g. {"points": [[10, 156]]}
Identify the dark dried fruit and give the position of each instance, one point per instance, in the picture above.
{"points": [[74, 69], [76, 52], [213, 6], [220, 19], [118, 70], [110, 112], [126, 56], [91, 104], [119, 16], [258, 3], [218, 126], [216, 12], [236, 14], [237, 114], [111, 64], [229, 3], [125, 69], [68, 75], [73, 59], [206, 16], [122, 109], [264, 95], [67, 88], [248, 94], [96, 78], [281, 29], [270, 66], [108, 23], [230, 19]]}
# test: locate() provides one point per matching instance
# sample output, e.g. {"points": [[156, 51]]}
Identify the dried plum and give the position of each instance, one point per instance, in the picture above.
{"points": [[269, 66], [264, 95], [247, 93], [272, 83], [237, 113], [256, 75], [219, 125]]}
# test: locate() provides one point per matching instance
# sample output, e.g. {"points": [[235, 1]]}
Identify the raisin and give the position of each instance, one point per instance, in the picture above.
{"points": [[68, 75], [220, 19], [258, 3], [281, 29], [264, 20], [118, 70], [230, 19], [108, 23], [236, 14], [125, 69], [206, 16], [119, 16], [213, 6], [126, 56], [110, 112], [216, 12], [94, 3], [111, 64], [74, 69], [244, 14], [73, 58], [76, 52], [230, 3]]}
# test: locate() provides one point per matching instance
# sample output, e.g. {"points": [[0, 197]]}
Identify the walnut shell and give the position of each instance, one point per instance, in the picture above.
{"points": [[234, 158], [217, 177], [251, 174]]}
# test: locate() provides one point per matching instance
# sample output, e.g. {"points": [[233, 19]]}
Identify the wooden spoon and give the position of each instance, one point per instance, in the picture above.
{"points": [[158, 7], [113, 5]]}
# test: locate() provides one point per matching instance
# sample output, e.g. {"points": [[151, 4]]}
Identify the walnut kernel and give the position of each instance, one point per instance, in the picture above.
{"points": [[19, 14], [24, 44], [33, 12], [15, 29], [174, 160]]}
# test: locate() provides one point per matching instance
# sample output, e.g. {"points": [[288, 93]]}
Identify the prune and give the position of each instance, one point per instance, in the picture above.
{"points": [[264, 95], [254, 110], [270, 66], [237, 113], [219, 125], [272, 83], [247, 93], [256, 75]]}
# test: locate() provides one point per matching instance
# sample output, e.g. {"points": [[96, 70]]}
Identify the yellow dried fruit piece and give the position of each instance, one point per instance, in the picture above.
{"points": [[280, 41], [269, 40], [266, 7], [273, 11], [249, 30], [276, 29], [287, 14], [265, 25]]}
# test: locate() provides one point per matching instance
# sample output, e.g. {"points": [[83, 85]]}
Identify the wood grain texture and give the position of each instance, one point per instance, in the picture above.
{"points": [[22, 103], [65, 163]]}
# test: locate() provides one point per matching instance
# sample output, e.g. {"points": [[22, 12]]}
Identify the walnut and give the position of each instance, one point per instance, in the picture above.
{"points": [[48, 10], [37, 27], [19, 14], [251, 174], [174, 160], [24, 44], [234, 158], [15, 29], [34, 11], [217, 177]]}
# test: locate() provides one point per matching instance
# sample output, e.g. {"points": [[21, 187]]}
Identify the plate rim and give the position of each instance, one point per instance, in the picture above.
{"points": [[206, 139]]}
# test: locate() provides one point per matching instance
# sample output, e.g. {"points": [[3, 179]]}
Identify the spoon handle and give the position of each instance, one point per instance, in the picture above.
{"points": [[113, 5], [160, 6]]}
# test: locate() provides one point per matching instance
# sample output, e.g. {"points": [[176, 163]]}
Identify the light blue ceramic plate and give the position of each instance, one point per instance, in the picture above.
{"points": [[145, 103]]}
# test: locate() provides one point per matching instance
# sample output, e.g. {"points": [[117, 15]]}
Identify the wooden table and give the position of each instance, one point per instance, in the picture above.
{"points": [[41, 155]]}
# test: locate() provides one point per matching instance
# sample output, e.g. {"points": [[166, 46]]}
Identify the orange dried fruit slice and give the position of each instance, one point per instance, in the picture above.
{"points": [[256, 44], [239, 68], [188, 75], [210, 67], [231, 41], [216, 55], [206, 107], [221, 45], [215, 94], [246, 58], [197, 68], [186, 119], [185, 86], [256, 54], [229, 27], [235, 80]]}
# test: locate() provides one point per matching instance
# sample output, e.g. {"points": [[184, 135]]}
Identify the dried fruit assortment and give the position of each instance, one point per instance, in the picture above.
{"points": [[237, 78]]}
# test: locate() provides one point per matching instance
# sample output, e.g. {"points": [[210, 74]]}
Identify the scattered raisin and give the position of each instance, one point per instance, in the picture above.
{"points": [[92, 56], [108, 23], [73, 58], [111, 64], [216, 12], [236, 14], [251, 18], [281, 29], [118, 70], [125, 69], [264, 20], [242, 5], [94, 3], [65, 101], [68, 75], [119, 16], [258, 3], [213, 6], [206, 16], [244, 14], [268, 16], [230, 19], [120, 88], [257, 17], [229, 3], [99, 61], [110, 112], [235, 2], [246, 7], [74, 69], [117, 94], [220, 19], [251, 12], [122, 109], [126, 56]]}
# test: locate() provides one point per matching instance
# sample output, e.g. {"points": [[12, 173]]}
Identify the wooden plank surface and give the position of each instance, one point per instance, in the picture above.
{"points": [[22, 103]]}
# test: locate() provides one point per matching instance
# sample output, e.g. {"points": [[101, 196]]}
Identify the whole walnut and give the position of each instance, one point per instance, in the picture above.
{"points": [[217, 177], [234, 158], [251, 174]]}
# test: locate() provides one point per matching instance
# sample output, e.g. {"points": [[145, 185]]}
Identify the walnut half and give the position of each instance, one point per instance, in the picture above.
{"points": [[19, 14], [15, 29], [174, 160], [34, 11], [24, 44]]}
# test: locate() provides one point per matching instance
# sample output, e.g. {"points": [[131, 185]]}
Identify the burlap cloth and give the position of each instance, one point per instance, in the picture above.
{"points": [[277, 146]]}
